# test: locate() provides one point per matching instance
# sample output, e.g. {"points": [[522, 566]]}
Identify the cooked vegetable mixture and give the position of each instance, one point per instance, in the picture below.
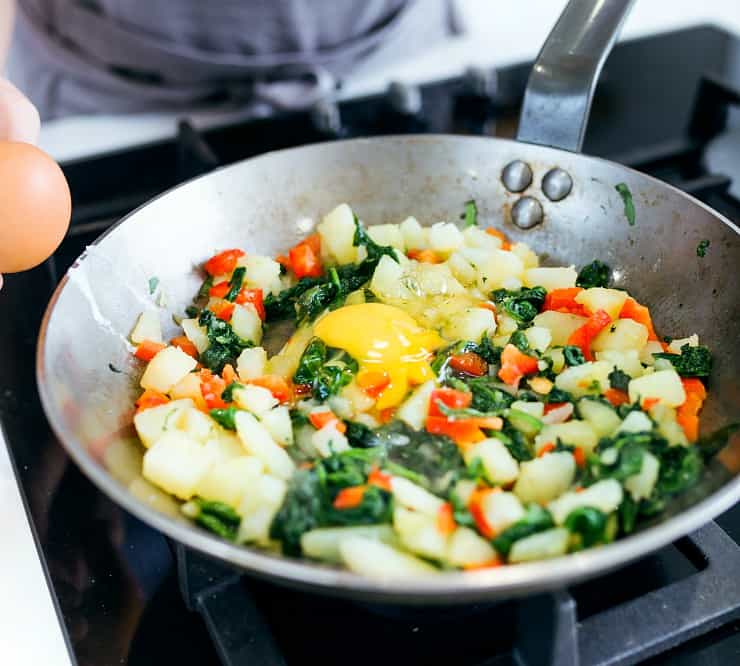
{"points": [[444, 402]]}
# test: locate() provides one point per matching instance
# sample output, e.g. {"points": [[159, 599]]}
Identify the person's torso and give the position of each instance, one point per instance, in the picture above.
{"points": [[85, 56]]}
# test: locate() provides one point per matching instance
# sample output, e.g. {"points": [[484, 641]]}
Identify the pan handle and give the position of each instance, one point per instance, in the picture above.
{"points": [[560, 89]]}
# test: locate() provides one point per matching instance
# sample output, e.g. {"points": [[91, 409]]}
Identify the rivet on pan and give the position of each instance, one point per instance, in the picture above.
{"points": [[557, 184], [527, 213], [517, 176]]}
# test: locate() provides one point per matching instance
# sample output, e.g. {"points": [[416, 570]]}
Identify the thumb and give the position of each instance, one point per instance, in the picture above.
{"points": [[19, 119]]}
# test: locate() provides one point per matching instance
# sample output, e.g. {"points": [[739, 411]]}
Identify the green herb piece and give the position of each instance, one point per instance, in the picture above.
{"points": [[225, 417], [374, 251], [302, 510], [520, 448], [595, 274], [628, 511], [692, 362], [460, 512], [153, 284], [217, 517], [558, 395], [519, 340], [326, 371], [191, 311], [701, 248], [618, 379], [522, 305], [589, 523], [488, 398], [283, 305], [113, 368], [629, 204], [525, 423], [224, 345], [359, 435], [471, 214], [205, 288], [311, 362], [235, 284], [535, 520], [573, 355], [228, 393]]}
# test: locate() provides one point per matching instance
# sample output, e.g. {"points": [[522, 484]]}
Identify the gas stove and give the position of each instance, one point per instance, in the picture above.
{"points": [[128, 595]]}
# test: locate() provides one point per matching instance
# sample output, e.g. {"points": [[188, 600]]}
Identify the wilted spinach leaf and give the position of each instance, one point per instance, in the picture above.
{"points": [[535, 520], [595, 274], [692, 362]]}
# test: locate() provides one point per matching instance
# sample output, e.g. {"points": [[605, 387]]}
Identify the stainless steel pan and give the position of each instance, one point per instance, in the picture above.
{"points": [[266, 203]]}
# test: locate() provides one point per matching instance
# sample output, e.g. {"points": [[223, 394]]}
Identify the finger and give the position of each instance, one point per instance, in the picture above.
{"points": [[19, 119]]}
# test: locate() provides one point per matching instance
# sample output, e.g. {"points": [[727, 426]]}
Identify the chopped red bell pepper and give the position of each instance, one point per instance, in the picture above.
{"points": [[219, 290], [616, 396], [255, 297], [505, 244], [305, 261], [424, 256], [449, 397], [563, 300], [349, 498], [211, 388], [223, 309], [462, 432], [687, 414], [579, 455], [470, 363], [229, 374], [446, 519], [380, 479], [149, 399], [148, 349], [583, 336], [475, 506], [515, 365], [276, 384], [223, 262], [321, 418], [182, 342]]}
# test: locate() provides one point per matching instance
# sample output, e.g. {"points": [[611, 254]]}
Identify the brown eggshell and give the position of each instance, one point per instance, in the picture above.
{"points": [[35, 206]]}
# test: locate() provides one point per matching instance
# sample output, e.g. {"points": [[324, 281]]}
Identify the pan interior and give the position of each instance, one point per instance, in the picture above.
{"points": [[265, 204]]}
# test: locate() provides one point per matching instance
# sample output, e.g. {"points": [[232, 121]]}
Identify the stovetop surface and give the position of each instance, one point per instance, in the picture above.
{"points": [[116, 579]]}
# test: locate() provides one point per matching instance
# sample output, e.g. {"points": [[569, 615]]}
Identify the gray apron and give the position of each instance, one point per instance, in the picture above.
{"points": [[126, 56]]}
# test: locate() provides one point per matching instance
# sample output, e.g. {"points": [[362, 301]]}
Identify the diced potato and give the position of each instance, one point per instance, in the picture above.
{"points": [[539, 337], [543, 479], [524, 252], [464, 490], [411, 496], [255, 399], [387, 234], [691, 341], [419, 533], [166, 369], [461, 269], [466, 548], [224, 445], [540, 546], [258, 507], [646, 353], [151, 423], [641, 485], [536, 409], [227, 481], [413, 412], [196, 424], [558, 359], [603, 495], [506, 324], [360, 401], [436, 280], [278, 424], [500, 465], [257, 441], [621, 334], [286, 361], [388, 280], [329, 440], [600, 298], [196, 334], [262, 273], [337, 232], [176, 463], [584, 379], [636, 422], [323, 543], [501, 510], [251, 363], [602, 418], [470, 324], [414, 235], [246, 323], [147, 328], [189, 387], [477, 237], [512, 283], [380, 561], [628, 361], [560, 324], [665, 385], [551, 278], [356, 297], [445, 238], [499, 266], [576, 433], [155, 498]]}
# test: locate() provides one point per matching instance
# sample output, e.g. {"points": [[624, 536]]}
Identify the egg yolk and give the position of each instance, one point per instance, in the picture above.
{"points": [[382, 339]]}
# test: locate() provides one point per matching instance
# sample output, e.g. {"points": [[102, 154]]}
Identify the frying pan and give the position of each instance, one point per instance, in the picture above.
{"points": [[538, 190]]}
